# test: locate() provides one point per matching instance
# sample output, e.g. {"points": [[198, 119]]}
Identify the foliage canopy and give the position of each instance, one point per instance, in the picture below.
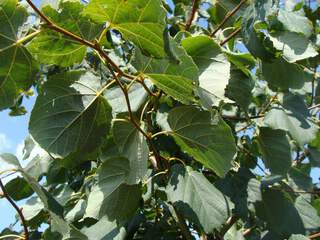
{"points": [[157, 120]]}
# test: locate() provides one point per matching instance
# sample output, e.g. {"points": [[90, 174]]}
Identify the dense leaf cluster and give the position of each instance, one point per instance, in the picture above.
{"points": [[160, 120]]}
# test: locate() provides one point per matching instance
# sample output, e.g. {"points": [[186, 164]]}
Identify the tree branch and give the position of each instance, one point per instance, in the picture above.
{"points": [[313, 107], [227, 17], [313, 236], [79, 39], [232, 220], [233, 34], [18, 210], [241, 118], [195, 6]]}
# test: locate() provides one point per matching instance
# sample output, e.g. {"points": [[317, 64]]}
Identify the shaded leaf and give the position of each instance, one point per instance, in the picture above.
{"points": [[104, 230], [284, 218], [197, 199], [177, 79], [308, 214], [294, 46], [295, 23], [18, 189], [205, 136], [133, 145], [293, 117], [275, 149], [298, 237], [282, 75], [137, 96], [104, 198], [111, 174], [214, 67], [70, 113], [240, 88]]}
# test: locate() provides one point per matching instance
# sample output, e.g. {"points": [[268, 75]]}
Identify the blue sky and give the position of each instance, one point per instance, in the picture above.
{"points": [[13, 131]]}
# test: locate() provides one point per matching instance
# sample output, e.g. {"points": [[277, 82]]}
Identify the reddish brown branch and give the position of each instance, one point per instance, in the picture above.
{"points": [[18, 210], [233, 34], [242, 118], [195, 6], [313, 236], [231, 221], [79, 39], [227, 17]]}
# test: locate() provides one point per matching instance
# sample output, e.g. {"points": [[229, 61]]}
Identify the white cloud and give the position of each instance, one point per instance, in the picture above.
{"points": [[37, 150], [19, 150], [5, 143]]}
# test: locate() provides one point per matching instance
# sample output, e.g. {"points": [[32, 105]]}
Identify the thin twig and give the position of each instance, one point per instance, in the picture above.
{"points": [[236, 118], [227, 17], [313, 107], [155, 175], [93, 45], [233, 34], [126, 95], [11, 236], [195, 6], [231, 221], [313, 236], [248, 231], [265, 108], [313, 87], [15, 206]]}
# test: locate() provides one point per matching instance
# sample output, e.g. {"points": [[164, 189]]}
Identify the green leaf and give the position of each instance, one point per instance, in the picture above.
{"points": [[137, 96], [234, 234], [104, 197], [293, 117], [105, 229], [295, 23], [10, 159], [18, 189], [256, 13], [111, 174], [294, 46], [70, 113], [243, 61], [284, 218], [140, 21], [17, 68], [133, 145], [214, 67], [287, 216], [50, 204], [282, 75], [51, 47], [39, 165], [122, 203], [299, 180], [205, 136], [275, 149], [197, 199], [308, 214], [32, 208], [176, 79], [240, 88], [298, 237], [77, 212]]}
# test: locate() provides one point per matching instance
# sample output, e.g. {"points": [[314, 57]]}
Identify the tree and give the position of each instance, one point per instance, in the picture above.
{"points": [[158, 120]]}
